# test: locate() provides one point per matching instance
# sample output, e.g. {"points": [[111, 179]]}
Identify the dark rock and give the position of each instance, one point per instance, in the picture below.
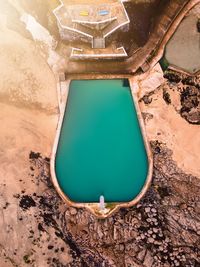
{"points": [[188, 81], [166, 97], [27, 202], [147, 116], [40, 227], [190, 101], [172, 77], [47, 159], [198, 25], [163, 191], [49, 220], [192, 117], [147, 100], [34, 155]]}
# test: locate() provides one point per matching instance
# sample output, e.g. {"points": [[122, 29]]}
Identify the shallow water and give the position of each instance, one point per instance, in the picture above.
{"points": [[101, 149]]}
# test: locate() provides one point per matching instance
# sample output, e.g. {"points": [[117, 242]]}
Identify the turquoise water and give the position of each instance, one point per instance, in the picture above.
{"points": [[101, 149]]}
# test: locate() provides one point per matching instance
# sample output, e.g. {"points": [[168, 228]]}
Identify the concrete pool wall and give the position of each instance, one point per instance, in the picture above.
{"points": [[94, 207]]}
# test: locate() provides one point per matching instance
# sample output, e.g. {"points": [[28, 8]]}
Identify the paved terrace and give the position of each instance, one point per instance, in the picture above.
{"points": [[69, 12]]}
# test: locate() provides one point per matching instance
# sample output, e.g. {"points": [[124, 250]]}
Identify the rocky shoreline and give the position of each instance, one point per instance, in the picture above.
{"points": [[162, 230]]}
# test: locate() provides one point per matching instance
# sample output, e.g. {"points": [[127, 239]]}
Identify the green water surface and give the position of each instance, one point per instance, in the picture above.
{"points": [[101, 149]]}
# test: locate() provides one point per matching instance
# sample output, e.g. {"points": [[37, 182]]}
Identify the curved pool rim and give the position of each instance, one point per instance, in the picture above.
{"points": [[94, 207]]}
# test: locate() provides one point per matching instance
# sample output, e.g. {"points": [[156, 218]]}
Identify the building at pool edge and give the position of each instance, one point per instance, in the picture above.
{"points": [[94, 207], [144, 58], [93, 25]]}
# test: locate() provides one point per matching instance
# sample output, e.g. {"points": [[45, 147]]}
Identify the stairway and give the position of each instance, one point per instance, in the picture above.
{"points": [[98, 43]]}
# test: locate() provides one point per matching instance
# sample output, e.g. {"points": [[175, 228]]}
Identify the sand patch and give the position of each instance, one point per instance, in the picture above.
{"points": [[169, 127], [25, 76]]}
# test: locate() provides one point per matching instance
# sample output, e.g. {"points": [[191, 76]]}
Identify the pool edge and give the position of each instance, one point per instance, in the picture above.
{"points": [[94, 207]]}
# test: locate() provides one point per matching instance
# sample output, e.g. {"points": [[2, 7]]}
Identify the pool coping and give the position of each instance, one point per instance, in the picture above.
{"points": [[94, 207]]}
